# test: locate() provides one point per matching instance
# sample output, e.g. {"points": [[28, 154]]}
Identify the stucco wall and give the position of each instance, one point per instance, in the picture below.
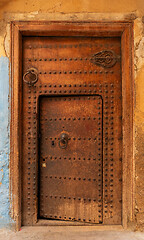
{"points": [[4, 141], [72, 10]]}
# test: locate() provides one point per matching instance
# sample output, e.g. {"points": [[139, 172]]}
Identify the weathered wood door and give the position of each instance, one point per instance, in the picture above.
{"points": [[71, 158], [72, 129]]}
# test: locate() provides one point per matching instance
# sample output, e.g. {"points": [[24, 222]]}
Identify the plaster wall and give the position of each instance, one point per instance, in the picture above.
{"points": [[72, 10]]}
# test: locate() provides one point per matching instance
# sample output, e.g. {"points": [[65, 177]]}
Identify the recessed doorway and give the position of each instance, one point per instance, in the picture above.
{"points": [[71, 125]]}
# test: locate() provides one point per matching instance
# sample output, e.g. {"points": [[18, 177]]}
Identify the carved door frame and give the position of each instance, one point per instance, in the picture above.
{"points": [[98, 29]]}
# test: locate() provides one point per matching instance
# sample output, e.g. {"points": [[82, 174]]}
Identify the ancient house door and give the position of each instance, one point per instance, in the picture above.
{"points": [[72, 129]]}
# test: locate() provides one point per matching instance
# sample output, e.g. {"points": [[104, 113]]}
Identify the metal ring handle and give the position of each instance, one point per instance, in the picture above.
{"points": [[32, 71], [63, 142]]}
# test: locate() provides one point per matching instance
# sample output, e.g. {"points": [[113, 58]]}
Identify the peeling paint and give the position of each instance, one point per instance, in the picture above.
{"points": [[4, 142], [138, 44]]}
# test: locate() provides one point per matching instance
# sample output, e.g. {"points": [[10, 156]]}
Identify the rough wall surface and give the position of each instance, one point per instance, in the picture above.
{"points": [[72, 10], [4, 141], [139, 122]]}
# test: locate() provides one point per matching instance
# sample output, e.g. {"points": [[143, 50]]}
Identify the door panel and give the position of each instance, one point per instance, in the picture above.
{"points": [[75, 84], [71, 171]]}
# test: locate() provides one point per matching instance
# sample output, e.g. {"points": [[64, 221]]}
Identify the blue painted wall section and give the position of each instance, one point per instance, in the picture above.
{"points": [[4, 142]]}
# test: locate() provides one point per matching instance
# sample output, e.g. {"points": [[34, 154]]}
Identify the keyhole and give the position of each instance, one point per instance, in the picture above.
{"points": [[53, 144]]}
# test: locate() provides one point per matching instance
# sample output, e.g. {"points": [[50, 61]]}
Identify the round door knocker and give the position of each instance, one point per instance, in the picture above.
{"points": [[63, 142], [32, 75]]}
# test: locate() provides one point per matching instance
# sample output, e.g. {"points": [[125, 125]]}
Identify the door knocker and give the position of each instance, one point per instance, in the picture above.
{"points": [[31, 76]]}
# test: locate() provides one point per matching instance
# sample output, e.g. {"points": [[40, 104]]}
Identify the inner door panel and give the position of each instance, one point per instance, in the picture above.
{"points": [[71, 158]]}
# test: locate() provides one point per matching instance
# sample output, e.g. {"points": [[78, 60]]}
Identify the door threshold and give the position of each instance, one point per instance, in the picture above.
{"points": [[45, 222], [51, 222]]}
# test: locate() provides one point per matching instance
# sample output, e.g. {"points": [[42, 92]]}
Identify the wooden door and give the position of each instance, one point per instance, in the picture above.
{"points": [[71, 158], [72, 129]]}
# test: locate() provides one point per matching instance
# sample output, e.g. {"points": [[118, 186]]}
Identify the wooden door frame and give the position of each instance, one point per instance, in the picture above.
{"points": [[66, 28]]}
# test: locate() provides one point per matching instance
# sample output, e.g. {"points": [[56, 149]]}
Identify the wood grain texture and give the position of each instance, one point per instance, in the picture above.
{"points": [[65, 68], [71, 172]]}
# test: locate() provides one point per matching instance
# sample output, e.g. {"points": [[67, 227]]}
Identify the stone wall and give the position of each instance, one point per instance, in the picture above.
{"points": [[72, 10]]}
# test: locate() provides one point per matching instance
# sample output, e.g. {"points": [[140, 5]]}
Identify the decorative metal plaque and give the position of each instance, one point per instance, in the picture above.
{"points": [[106, 58]]}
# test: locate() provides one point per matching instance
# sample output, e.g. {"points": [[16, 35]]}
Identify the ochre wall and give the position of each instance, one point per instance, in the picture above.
{"points": [[71, 6], [73, 10]]}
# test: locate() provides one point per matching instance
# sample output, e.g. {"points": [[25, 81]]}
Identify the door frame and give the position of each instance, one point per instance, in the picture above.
{"points": [[122, 29]]}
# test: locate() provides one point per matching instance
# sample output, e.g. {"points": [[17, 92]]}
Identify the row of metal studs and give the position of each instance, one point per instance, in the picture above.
{"points": [[75, 72], [69, 218], [108, 127], [111, 163], [34, 151], [100, 175], [74, 178], [71, 118], [75, 85], [93, 91], [73, 158], [72, 198], [69, 91], [71, 98], [28, 164], [74, 138], [32, 125], [70, 45], [105, 152], [89, 159], [57, 59]]}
